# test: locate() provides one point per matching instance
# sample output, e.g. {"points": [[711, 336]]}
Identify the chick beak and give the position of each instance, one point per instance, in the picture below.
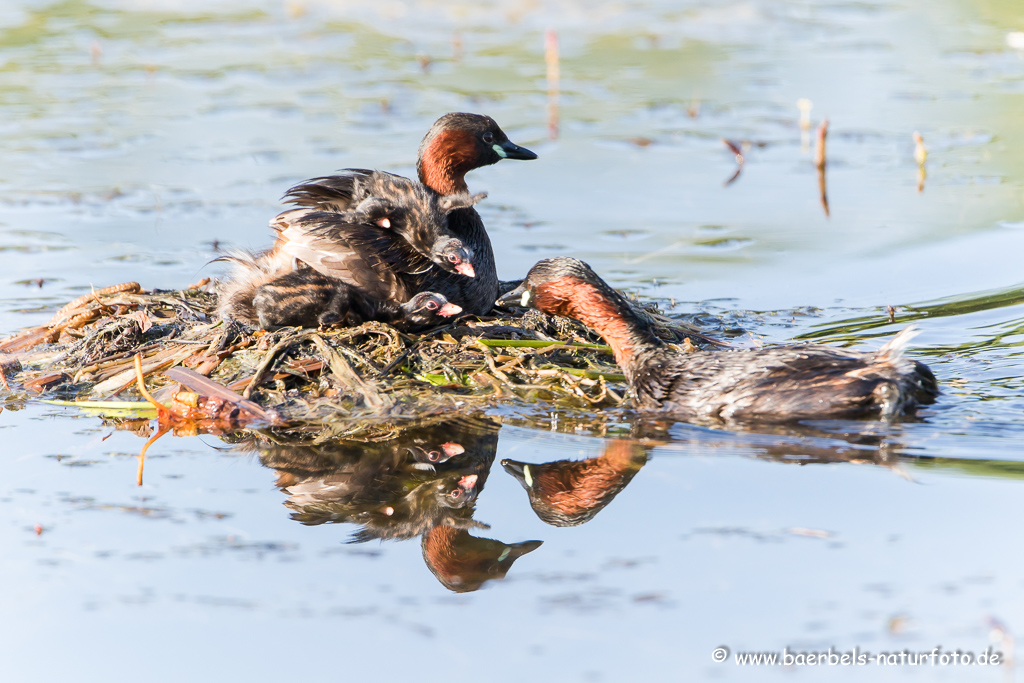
{"points": [[465, 268], [448, 310], [451, 449], [468, 482], [384, 222]]}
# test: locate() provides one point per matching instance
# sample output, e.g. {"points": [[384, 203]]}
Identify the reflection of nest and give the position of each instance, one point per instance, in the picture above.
{"points": [[87, 351]]}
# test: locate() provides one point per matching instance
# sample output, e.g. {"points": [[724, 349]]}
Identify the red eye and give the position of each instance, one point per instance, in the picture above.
{"points": [[431, 305], [456, 493], [453, 258], [488, 137], [433, 456]]}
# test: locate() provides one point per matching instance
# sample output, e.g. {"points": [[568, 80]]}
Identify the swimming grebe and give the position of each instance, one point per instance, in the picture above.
{"points": [[776, 384]]}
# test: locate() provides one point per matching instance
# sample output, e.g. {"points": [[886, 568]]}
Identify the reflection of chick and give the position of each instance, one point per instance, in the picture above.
{"points": [[411, 505], [569, 493], [396, 488], [463, 563]]}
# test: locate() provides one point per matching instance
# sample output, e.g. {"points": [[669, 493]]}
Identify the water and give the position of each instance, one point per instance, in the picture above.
{"points": [[141, 135]]}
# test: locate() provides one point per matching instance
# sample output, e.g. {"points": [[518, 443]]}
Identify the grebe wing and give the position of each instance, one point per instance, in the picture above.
{"points": [[346, 251]]}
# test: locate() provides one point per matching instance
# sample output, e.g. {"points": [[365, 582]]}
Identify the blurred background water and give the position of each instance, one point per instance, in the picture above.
{"points": [[141, 136]]}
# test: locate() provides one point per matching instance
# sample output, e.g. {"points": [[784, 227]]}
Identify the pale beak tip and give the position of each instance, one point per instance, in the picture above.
{"points": [[448, 310], [452, 449]]}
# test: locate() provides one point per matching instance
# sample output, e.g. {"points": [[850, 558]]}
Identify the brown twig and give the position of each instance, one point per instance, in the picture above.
{"points": [[204, 386], [820, 162], [129, 287], [161, 410], [823, 191], [819, 146], [738, 156], [735, 149], [142, 454]]}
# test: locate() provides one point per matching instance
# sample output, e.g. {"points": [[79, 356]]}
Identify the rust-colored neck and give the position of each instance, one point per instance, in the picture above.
{"points": [[622, 454], [439, 545], [446, 159], [603, 311]]}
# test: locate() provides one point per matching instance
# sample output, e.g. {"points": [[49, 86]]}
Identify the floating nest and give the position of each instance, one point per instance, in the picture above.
{"points": [[90, 349]]}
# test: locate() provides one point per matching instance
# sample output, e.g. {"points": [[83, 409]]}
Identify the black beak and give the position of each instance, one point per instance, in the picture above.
{"points": [[513, 298], [519, 470], [513, 151]]}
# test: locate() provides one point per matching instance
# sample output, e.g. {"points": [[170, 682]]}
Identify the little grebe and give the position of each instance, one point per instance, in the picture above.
{"points": [[455, 145], [778, 384]]}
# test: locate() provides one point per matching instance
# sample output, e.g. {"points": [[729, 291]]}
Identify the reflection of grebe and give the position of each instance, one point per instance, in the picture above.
{"points": [[462, 563], [416, 480], [801, 381], [569, 493], [394, 488]]}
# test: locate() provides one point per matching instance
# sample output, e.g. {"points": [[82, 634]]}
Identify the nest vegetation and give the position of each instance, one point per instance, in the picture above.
{"points": [[90, 349]]}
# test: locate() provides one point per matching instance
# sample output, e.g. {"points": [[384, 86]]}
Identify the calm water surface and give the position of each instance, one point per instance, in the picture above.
{"points": [[139, 136]]}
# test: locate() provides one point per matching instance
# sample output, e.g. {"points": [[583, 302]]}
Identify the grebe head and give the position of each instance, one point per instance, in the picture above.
{"points": [[420, 216], [454, 256], [429, 308], [436, 455], [456, 144], [553, 285]]}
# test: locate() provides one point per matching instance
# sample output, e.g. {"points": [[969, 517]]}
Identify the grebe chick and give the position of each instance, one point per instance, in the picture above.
{"points": [[775, 384], [367, 268], [408, 209], [306, 298], [389, 263]]}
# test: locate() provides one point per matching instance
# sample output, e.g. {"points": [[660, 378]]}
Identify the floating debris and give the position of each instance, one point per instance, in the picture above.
{"points": [[805, 106], [920, 156], [820, 162], [737, 150]]}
